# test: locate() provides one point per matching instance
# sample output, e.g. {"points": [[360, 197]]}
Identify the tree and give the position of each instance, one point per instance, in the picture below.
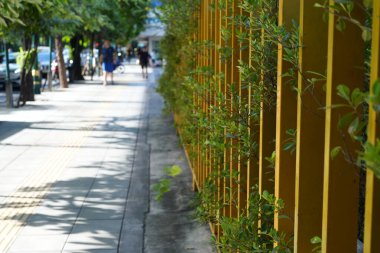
{"points": [[17, 14], [10, 17]]}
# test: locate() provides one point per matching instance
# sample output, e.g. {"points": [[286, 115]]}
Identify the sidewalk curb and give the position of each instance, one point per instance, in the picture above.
{"points": [[132, 232]]}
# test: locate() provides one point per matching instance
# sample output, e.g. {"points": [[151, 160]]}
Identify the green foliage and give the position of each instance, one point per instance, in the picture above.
{"points": [[230, 119], [208, 207], [342, 10], [119, 20], [317, 241], [335, 151], [26, 59], [291, 141], [10, 11], [371, 157], [354, 122], [272, 160], [162, 187], [164, 184], [253, 231]]}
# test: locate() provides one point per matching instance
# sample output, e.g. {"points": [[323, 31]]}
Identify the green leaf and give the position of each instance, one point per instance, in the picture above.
{"points": [[371, 157], [367, 3], [340, 25], [162, 187], [289, 146], [173, 171], [316, 240], [366, 34], [375, 98], [354, 127], [358, 97], [335, 151], [318, 5], [345, 120], [344, 92]]}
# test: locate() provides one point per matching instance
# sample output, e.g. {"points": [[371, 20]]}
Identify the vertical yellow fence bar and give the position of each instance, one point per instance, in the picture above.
{"points": [[286, 120], [267, 134], [254, 129], [192, 155], [372, 209], [234, 81], [198, 97], [205, 90], [310, 127], [345, 63], [227, 78], [218, 69], [212, 67], [207, 84], [199, 153], [212, 162], [200, 101], [244, 95]]}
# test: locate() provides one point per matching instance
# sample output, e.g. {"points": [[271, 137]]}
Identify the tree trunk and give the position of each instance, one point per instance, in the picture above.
{"points": [[61, 62], [76, 68], [26, 82], [8, 82]]}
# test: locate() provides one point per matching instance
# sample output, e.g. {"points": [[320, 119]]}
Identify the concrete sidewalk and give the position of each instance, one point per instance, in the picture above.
{"points": [[75, 169]]}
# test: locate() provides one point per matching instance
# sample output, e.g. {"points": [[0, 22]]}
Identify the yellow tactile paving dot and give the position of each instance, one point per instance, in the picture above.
{"points": [[17, 207]]}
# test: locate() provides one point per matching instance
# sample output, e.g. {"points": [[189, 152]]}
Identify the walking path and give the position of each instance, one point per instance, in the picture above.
{"points": [[76, 168]]}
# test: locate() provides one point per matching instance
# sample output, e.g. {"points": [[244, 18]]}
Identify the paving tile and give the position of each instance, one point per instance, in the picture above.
{"points": [[96, 234], [47, 227], [67, 193], [111, 183], [101, 211], [81, 183], [72, 203], [55, 213], [39, 243]]}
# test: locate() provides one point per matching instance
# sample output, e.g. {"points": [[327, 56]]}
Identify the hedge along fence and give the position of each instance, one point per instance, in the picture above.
{"points": [[277, 104]]}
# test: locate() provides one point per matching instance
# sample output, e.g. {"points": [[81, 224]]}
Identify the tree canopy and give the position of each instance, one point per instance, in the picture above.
{"points": [[119, 20]]}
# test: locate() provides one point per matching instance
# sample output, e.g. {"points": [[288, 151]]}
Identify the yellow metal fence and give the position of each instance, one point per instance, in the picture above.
{"points": [[321, 192]]}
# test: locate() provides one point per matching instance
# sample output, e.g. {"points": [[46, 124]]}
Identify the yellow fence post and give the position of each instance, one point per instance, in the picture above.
{"points": [[218, 70], [345, 65], [253, 170], [267, 135], [234, 82], [286, 120], [244, 96], [198, 97], [227, 79], [372, 209], [310, 127]]}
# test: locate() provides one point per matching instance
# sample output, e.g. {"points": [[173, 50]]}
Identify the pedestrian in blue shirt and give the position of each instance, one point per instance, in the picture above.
{"points": [[107, 60]]}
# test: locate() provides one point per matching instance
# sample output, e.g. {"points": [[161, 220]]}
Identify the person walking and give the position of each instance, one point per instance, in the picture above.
{"points": [[144, 57], [107, 59]]}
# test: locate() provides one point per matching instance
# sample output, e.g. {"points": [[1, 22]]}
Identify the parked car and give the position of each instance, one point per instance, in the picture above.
{"points": [[44, 62], [13, 68]]}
